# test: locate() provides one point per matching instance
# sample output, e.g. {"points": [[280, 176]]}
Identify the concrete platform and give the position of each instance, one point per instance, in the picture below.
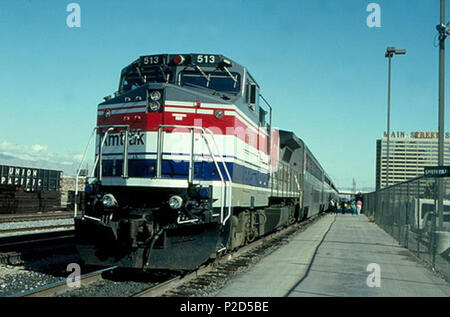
{"points": [[331, 258]]}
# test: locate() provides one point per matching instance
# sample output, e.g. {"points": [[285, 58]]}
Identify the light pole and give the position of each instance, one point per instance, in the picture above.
{"points": [[390, 52], [443, 32]]}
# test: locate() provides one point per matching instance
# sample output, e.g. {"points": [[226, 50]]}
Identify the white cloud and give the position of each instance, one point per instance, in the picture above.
{"points": [[39, 148], [38, 156]]}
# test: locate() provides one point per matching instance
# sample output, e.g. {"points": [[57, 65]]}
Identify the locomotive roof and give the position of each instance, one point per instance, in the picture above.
{"points": [[190, 59], [289, 139]]}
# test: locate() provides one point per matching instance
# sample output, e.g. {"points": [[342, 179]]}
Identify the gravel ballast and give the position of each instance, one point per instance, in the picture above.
{"points": [[33, 224]]}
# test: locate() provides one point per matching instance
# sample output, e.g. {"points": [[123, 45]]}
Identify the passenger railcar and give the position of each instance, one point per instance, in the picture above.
{"points": [[188, 165]]}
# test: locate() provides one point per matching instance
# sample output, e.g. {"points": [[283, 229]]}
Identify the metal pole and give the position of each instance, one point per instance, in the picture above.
{"points": [[191, 158], [388, 119], [159, 153], [390, 52], [100, 153], [441, 112], [75, 208], [125, 155], [407, 210], [418, 228]]}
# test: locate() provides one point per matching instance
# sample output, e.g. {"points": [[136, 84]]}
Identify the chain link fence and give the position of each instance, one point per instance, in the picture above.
{"points": [[409, 213]]}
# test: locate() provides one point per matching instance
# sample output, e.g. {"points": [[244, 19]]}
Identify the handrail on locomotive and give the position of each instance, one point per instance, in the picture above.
{"points": [[204, 132], [99, 156], [97, 168]]}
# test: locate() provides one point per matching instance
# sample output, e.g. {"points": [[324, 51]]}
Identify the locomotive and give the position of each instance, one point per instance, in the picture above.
{"points": [[188, 166]]}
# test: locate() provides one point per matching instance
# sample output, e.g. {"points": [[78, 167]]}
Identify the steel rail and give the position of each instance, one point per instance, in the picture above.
{"points": [[15, 248], [5, 218], [40, 228], [37, 237]]}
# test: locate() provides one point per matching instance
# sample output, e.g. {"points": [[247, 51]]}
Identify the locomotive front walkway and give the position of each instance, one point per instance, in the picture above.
{"points": [[332, 258]]}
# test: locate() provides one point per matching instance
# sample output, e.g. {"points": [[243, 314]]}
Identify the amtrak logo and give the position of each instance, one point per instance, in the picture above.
{"points": [[134, 138]]}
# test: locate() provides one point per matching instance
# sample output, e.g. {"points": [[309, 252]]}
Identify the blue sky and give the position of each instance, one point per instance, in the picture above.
{"points": [[318, 63]]}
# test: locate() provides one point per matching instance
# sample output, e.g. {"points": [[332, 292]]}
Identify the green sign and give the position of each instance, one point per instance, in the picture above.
{"points": [[437, 171]]}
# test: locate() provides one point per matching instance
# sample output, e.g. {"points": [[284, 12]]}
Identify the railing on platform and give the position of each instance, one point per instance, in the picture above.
{"points": [[409, 213]]}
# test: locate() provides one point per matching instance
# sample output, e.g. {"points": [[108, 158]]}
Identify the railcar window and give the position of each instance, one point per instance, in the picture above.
{"points": [[247, 93], [253, 94], [312, 168], [217, 81], [426, 207], [287, 155]]}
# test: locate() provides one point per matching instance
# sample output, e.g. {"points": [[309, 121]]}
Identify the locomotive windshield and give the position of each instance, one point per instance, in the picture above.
{"points": [[133, 77], [217, 81]]}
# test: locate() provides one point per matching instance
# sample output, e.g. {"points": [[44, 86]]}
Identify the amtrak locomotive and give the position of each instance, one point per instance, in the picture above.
{"points": [[188, 166]]}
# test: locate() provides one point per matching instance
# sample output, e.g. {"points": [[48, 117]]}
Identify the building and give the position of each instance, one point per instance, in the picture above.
{"points": [[408, 155]]}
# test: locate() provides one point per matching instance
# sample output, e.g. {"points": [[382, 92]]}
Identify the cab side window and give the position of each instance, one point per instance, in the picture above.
{"points": [[252, 95]]}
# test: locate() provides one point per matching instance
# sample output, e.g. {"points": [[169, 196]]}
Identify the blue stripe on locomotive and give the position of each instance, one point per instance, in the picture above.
{"points": [[206, 171]]}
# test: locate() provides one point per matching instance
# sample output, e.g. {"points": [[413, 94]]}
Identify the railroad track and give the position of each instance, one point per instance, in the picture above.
{"points": [[171, 287], [17, 248], [60, 287], [5, 218], [37, 228]]}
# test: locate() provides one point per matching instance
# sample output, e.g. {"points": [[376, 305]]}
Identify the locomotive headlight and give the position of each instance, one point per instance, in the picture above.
{"points": [[218, 114], [175, 202], [155, 95], [154, 106], [107, 113], [227, 63], [108, 200]]}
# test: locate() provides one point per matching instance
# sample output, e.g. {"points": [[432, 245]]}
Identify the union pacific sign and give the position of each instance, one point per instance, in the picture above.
{"points": [[31, 179]]}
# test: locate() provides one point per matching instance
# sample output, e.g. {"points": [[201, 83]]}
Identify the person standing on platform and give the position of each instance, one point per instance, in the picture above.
{"points": [[332, 205], [353, 207], [358, 207]]}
